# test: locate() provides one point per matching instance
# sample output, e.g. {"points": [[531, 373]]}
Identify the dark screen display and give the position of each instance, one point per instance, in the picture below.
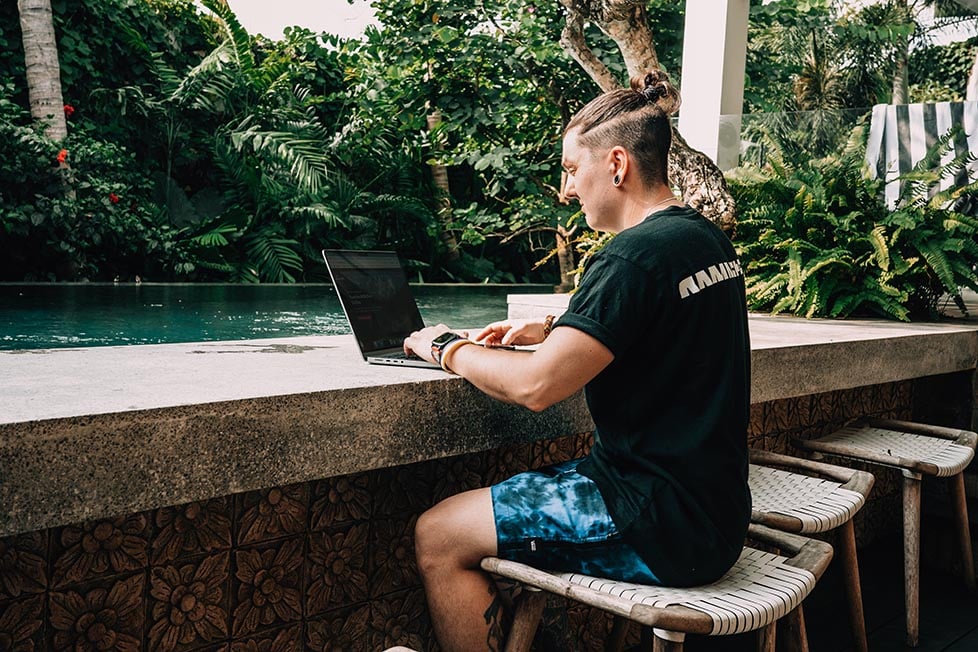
{"points": [[376, 297]]}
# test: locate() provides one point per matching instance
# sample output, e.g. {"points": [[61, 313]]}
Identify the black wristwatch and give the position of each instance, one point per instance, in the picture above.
{"points": [[439, 343]]}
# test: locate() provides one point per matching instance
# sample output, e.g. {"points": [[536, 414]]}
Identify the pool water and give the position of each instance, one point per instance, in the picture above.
{"points": [[37, 316]]}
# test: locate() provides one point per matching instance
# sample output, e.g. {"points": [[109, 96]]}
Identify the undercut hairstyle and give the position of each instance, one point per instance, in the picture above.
{"points": [[635, 118]]}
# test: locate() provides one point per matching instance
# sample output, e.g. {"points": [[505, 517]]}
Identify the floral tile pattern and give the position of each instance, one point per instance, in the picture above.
{"points": [[340, 500], [403, 489], [184, 530], [271, 513], [107, 617], [338, 630], [268, 586], [21, 625], [336, 568], [506, 462], [455, 474], [399, 619], [99, 548], [283, 640], [22, 565], [323, 565], [392, 563], [189, 604]]}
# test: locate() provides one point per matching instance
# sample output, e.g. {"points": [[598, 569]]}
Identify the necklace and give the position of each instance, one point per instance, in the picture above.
{"points": [[661, 203]]}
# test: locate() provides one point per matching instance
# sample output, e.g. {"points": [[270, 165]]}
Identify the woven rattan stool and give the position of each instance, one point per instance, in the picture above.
{"points": [[917, 450], [760, 588], [809, 498]]}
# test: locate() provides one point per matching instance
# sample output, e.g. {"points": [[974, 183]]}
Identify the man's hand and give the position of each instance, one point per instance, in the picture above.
{"points": [[522, 332], [419, 342]]}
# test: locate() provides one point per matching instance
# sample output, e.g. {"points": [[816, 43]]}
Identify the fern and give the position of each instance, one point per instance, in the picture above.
{"points": [[818, 241]]}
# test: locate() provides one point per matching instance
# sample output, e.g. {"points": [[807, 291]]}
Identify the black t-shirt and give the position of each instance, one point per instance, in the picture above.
{"points": [[671, 410]]}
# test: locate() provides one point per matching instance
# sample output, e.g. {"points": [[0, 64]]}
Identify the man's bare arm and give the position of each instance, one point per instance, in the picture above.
{"points": [[558, 368]]}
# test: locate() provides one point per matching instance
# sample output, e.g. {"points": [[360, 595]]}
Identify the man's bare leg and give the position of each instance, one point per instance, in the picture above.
{"points": [[451, 539]]}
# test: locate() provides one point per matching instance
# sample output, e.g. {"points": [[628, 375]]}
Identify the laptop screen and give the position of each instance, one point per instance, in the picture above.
{"points": [[375, 295]]}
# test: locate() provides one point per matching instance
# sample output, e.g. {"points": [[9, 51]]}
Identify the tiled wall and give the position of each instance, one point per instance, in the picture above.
{"points": [[325, 565]]}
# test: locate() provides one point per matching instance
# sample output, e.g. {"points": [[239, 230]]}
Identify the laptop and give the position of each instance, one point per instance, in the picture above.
{"points": [[377, 301]]}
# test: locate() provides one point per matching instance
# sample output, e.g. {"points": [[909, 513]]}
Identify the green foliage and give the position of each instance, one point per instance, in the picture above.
{"points": [[94, 220], [939, 73], [820, 55], [283, 195], [504, 88], [816, 239]]}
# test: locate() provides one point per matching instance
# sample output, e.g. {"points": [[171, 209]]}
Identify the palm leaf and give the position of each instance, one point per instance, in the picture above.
{"points": [[271, 256]]}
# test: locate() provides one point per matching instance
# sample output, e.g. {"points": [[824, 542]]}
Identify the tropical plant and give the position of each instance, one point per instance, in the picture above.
{"points": [[940, 72], [107, 227], [817, 240], [283, 196]]}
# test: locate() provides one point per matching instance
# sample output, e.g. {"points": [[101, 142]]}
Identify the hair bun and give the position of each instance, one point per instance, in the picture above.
{"points": [[653, 93], [655, 87]]}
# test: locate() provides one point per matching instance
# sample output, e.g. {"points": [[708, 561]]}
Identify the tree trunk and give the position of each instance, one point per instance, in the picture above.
{"points": [[700, 182], [565, 257], [901, 92], [42, 68], [440, 175], [971, 93]]}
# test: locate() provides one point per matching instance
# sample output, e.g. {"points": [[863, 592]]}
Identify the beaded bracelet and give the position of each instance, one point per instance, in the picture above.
{"points": [[548, 325]]}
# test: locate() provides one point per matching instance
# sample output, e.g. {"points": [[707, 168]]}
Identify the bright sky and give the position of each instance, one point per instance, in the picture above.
{"points": [[270, 17]]}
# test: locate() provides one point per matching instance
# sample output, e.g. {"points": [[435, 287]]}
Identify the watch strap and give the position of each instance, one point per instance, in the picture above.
{"points": [[449, 349], [438, 347]]}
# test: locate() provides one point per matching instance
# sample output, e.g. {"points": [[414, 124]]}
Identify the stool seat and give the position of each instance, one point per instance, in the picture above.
{"points": [[760, 588], [819, 505], [916, 449], [929, 454], [808, 497]]}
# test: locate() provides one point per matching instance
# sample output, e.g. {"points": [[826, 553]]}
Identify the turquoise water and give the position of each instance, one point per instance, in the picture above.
{"points": [[41, 316]]}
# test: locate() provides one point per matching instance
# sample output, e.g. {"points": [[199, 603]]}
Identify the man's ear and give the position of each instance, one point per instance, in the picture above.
{"points": [[619, 161]]}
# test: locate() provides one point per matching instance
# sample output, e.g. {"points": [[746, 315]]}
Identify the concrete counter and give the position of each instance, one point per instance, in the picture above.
{"points": [[93, 432]]}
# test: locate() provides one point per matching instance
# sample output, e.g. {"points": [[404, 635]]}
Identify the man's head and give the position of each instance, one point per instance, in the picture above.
{"points": [[622, 134]]}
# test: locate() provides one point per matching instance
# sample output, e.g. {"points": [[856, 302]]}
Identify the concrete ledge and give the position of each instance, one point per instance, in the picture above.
{"points": [[124, 429], [792, 356], [95, 432]]}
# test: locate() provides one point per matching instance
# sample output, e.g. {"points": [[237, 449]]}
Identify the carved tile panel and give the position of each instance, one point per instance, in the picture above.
{"points": [[23, 565], [105, 616], [323, 565], [189, 604], [268, 586]]}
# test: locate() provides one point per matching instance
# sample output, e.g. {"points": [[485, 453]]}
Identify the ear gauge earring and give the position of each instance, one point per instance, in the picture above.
{"points": [[617, 180]]}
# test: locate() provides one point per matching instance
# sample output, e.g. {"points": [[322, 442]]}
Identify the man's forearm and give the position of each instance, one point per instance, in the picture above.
{"points": [[561, 366]]}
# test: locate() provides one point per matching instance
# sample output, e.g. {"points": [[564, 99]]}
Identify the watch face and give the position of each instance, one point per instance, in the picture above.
{"points": [[444, 338]]}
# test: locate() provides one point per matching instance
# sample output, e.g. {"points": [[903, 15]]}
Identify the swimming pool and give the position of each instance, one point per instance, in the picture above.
{"points": [[60, 315]]}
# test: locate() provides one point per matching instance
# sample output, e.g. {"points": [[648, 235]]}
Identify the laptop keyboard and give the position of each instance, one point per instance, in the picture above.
{"points": [[401, 355]]}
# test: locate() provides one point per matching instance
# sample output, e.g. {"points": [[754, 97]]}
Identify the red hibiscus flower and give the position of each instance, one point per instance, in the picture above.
{"points": [[62, 156], [69, 109], [114, 198]]}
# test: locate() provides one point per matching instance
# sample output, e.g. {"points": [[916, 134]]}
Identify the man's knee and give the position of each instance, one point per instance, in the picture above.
{"points": [[433, 536], [456, 532]]}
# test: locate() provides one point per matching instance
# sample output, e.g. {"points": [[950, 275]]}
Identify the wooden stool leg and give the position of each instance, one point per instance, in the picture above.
{"points": [[767, 638], [663, 641], [616, 639], [529, 610], [964, 532], [795, 630], [911, 554], [850, 568]]}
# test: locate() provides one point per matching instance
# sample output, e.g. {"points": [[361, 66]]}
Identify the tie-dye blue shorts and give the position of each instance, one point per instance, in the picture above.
{"points": [[555, 518]]}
